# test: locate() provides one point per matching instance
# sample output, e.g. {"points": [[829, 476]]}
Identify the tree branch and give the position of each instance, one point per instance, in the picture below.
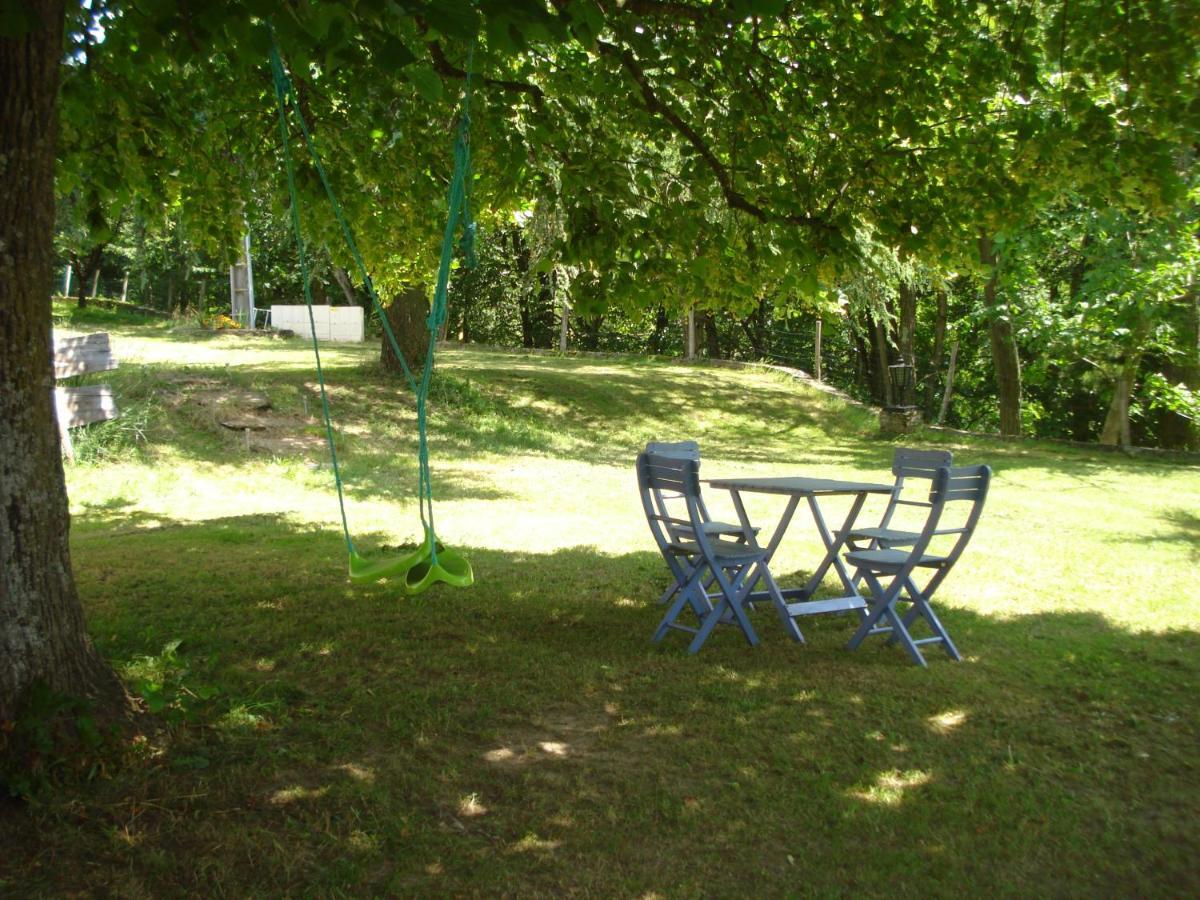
{"points": [[733, 197], [443, 66]]}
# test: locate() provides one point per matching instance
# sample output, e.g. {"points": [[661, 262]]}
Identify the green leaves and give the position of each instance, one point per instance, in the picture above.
{"points": [[427, 82], [393, 54]]}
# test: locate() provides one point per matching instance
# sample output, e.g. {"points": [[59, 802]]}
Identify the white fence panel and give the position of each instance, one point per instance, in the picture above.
{"points": [[333, 323]]}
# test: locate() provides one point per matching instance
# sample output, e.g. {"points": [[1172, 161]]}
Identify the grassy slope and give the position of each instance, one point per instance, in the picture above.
{"points": [[524, 736]]}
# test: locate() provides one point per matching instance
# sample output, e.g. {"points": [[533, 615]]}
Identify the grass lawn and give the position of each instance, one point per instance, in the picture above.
{"points": [[524, 736]]}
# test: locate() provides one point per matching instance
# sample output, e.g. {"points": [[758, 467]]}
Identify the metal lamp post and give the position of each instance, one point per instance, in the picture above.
{"points": [[899, 417]]}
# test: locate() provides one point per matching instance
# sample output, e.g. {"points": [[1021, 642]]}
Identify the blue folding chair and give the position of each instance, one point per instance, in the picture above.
{"points": [[907, 464], [664, 500], [966, 484], [697, 558]]}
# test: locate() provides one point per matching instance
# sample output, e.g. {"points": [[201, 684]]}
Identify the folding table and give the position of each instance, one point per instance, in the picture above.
{"points": [[799, 601]]}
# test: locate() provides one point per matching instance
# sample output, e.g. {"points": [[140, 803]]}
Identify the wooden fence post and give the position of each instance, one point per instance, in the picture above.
{"points": [[817, 351]]}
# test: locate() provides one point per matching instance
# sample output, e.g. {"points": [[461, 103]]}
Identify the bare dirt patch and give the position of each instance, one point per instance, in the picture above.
{"points": [[247, 413]]}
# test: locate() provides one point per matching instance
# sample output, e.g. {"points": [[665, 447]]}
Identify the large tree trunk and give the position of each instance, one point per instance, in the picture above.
{"points": [[661, 324], [879, 333], [407, 314], [42, 636], [1116, 422], [1004, 346]]}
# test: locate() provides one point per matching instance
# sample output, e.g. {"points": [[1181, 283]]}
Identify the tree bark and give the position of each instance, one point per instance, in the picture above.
{"points": [[42, 635], [87, 267], [661, 324], [1175, 430], [939, 352], [1116, 422], [906, 337], [817, 349], [881, 351], [949, 390], [1003, 342], [712, 340], [343, 280], [407, 314]]}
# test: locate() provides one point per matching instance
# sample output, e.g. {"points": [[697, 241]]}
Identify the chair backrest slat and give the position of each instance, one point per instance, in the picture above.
{"points": [[682, 449], [908, 462], [674, 450], [913, 463]]}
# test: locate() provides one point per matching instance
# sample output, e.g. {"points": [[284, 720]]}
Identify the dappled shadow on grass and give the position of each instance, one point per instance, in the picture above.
{"points": [[524, 736], [1186, 530]]}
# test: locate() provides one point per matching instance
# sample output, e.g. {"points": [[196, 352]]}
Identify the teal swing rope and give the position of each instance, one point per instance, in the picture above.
{"points": [[459, 208]]}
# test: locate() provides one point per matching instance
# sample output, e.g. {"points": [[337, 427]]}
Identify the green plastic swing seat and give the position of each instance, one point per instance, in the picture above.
{"points": [[366, 570], [417, 567], [451, 568]]}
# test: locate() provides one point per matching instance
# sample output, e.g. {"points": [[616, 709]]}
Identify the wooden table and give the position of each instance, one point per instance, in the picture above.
{"points": [[799, 601]]}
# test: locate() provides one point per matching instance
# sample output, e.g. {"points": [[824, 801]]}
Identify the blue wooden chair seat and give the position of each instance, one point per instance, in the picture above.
{"points": [[885, 537], [892, 560]]}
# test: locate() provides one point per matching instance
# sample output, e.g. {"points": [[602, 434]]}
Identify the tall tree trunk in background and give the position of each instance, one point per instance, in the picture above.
{"points": [[407, 314], [906, 338], [523, 306], [712, 340], [939, 353], [42, 635], [1005, 358], [1178, 431], [86, 267], [661, 324], [343, 280], [1116, 422], [589, 332], [754, 327], [884, 383]]}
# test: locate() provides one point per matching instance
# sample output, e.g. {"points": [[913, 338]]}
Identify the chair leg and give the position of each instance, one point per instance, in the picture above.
{"points": [[687, 595], [731, 601], [901, 635], [883, 605], [922, 609]]}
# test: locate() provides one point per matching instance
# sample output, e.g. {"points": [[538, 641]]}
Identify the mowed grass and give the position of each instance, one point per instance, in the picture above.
{"points": [[523, 736]]}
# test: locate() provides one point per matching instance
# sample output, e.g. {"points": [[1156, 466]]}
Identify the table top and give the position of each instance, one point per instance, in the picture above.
{"points": [[799, 486]]}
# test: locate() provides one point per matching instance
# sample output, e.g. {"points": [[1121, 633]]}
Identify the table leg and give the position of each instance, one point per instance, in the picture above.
{"points": [[833, 546]]}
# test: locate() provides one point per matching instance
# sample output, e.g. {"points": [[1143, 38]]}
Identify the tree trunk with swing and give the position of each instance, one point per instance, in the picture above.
{"points": [[42, 635], [407, 315]]}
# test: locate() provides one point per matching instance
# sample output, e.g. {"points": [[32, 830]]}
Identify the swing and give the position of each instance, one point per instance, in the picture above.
{"points": [[431, 562]]}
